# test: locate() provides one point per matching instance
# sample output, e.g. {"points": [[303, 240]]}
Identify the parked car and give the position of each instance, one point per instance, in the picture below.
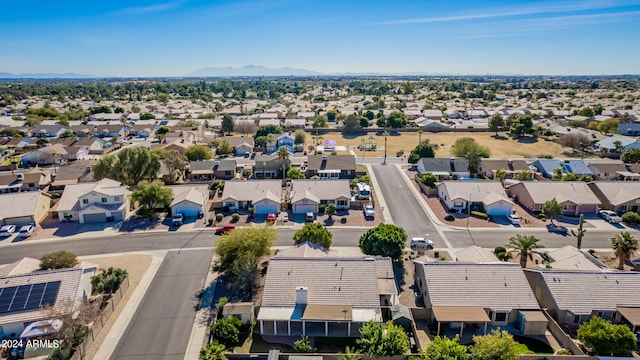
{"points": [[26, 230], [225, 228], [271, 217], [514, 219], [418, 243], [369, 211], [309, 217], [177, 220], [7, 230], [610, 216]]}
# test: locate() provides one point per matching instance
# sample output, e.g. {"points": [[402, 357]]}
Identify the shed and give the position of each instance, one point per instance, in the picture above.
{"points": [[242, 310], [532, 322], [401, 316]]}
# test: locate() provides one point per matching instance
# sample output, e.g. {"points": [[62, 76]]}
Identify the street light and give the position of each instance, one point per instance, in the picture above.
{"points": [[386, 133]]}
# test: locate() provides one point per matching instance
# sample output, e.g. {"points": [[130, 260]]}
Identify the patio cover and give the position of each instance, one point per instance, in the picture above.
{"points": [[328, 312], [632, 314], [468, 314]]}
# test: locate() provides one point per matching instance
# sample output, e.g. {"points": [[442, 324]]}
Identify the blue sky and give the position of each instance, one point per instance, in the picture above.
{"points": [[174, 38]]}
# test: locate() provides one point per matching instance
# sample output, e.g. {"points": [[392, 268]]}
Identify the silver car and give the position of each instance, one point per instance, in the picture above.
{"points": [[7, 230], [369, 211], [610, 216]]}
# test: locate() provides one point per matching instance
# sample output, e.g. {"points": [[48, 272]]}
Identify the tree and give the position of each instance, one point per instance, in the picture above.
{"points": [[283, 154], [76, 318], [152, 195], [442, 348], [162, 130], [384, 240], [349, 354], [224, 148], [226, 330], [58, 260], [525, 246], [618, 145], [227, 124], [377, 339], [295, 173], [631, 156], [464, 144], [522, 125], [605, 338], [364, 122], [268, 129], [175, 162], [198, 152], [351, 124], [608, 126], [330, 211], [332, 114], [129, 166], [574, 140], [497, 345], [397, 119], [579, 232], [314, 233], [551, 209], [108, 281], [586, 111], [523, 175], [213, 351], [238, 252], [424, 149], [147, 116], [473, 161], [299, 137], [496, 123], [429, 179], [624, 245], [318, 122]]}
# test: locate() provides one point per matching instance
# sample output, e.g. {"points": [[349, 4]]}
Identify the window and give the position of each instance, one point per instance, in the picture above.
{"points": [[104, 200], [567, 207], [607, 315], [32, 185], [500, 317], [227, 173], [622, 208], [85, 201], [342, 202], [116, 198]]}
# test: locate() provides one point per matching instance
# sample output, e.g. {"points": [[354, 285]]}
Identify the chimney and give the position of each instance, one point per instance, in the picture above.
{"points": [[301, 295]]}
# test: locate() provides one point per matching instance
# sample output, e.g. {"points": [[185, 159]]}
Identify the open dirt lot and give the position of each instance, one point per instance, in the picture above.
{"points": [[503, 147]]}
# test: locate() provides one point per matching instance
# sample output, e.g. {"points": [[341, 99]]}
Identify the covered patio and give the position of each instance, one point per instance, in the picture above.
{"points": [[629, 316], [460, 315]]}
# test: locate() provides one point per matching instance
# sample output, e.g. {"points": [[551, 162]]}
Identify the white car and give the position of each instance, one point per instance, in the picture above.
{"points": [[418, 243], [610, 216], [26, 230], [369, 211], [514, 219], [7, 230]]}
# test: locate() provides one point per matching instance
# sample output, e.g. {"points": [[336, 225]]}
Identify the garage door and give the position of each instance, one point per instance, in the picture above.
{"points": [[188, 211], [304, 208], [92, 218], [499, 209], [265, 208], [117, 216]]}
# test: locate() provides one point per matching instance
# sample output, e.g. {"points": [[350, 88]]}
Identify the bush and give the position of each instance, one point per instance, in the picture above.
{"points": [[343, 220], [210, 221], [58, 260], [442, 258], [631, 217], [499, 249], [235, 217], [480, 214], [449, 217], [226, 331], [219, 217], [303, 345], [321, 208]]}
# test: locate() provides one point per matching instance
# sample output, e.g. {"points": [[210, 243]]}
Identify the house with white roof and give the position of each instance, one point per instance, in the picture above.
{"points": [[608, 145], [306, 195], [263, 195], [189, 200], [486, 196], [104, 200]]}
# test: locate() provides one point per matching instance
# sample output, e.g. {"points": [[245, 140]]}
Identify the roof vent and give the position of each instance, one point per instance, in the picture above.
{"points": [[301, 295]]}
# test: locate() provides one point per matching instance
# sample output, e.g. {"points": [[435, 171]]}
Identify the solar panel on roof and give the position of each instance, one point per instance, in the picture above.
{"points": [[27, 297]]}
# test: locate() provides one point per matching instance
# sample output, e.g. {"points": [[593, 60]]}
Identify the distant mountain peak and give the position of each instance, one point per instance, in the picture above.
{"points": [[252, 70], [6, 75]]}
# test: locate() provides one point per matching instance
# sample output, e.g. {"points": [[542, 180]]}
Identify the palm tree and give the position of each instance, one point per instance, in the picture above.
{"points": [[419, 136], [213, 351], [271, 139], [330, 210], [557, 173], [473, 161], [524, 246], [618, 145], [500, 173], [624, 246], [283, 154]]}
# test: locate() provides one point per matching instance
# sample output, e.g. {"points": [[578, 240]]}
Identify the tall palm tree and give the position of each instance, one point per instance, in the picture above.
{"points": [[524, 246], [420, 136], [624, 246], [271, 139], [557, 173], [500, 173], [283, 154], [473, 161]]}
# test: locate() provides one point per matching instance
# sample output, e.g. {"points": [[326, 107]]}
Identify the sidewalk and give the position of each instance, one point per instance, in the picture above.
{"points": [[201, 323]]}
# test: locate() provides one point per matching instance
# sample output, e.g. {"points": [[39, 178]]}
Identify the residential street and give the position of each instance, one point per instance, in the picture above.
{"points": [[161, 327]]}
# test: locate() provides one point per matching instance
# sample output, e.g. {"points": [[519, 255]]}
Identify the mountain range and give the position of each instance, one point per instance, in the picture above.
{"points": [[6, 75], [253, 70]]}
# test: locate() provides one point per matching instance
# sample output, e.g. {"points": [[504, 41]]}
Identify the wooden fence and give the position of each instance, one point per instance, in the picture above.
{"points": [[102, 319]]}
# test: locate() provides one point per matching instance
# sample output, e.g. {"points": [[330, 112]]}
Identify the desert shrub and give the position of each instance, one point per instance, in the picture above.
{"points": [[499, 249], [219, 217], [235, 217], [449, 217], [343, 220], [321, 208], [631, 218]]}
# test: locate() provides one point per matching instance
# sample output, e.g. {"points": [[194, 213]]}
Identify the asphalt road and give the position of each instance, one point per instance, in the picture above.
{"points": [[405, 209], [161, 326]]}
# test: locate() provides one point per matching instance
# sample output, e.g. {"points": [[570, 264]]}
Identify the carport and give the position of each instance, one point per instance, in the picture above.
{"points": [[630, 316], [460, 314]]}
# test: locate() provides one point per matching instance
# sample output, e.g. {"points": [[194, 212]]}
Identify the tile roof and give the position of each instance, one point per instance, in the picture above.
{"points": [[495, 164], [70, 198], [321, 189], [252, 190], [22, 204], [582, 292], [213, 165], [476, 254], [197, 194], [571, 258], [574, 191], [489, 285], [332, 162], [617, 192], [488, 192], [436, 164]]}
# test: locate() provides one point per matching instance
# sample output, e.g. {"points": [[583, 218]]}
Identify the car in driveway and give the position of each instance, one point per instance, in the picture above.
{"points": [[610, 216], [369, 211], [225, 228], [514, 219], [26, 230], [7, 230], [309, 217], [271, 217], [177, 220], [419, 243]]}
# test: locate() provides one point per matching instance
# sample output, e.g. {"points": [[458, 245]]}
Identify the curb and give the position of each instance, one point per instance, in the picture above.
{"points": [[200, 327]]}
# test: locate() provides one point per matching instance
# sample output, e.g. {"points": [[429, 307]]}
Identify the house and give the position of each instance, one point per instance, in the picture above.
{"points": [[24, 208], [479, 294], [242, 145], [630, 129], [430, 124], [572, 297], [331, 166], [212, 169], [575, 196], [295, 123], [24, 290], [459, 168], [306, 195], [432, 114], [104, 200], [242, 310], [47, 155], [48, 131], [34, 180], [324, 296], [616, 144], [286, 140], [82, 130], [571, 258], [268, 166], [109, 131], [607, 170], [490, 166], [548, 166], [440, 167], [485, 196], [617, 196], [70, 173], [263, 195], [141, 131], [476, 254], [189, 200]]}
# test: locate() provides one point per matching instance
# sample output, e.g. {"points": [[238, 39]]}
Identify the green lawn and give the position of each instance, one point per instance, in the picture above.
{"points": [[255, 344], [531, 346]]}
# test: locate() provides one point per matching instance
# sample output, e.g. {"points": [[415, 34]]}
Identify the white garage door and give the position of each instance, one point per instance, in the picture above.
{"points": [[93, 218], [304, 208], [499, 209], [265, 208], [188, 211]]}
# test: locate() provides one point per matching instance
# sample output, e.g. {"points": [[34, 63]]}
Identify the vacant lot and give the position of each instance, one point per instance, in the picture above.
{"points": [[503, 147]]}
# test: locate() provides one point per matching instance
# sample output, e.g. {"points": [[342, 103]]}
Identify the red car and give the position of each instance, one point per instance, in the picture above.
{"points": [[225, 228], [271, 217]]}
